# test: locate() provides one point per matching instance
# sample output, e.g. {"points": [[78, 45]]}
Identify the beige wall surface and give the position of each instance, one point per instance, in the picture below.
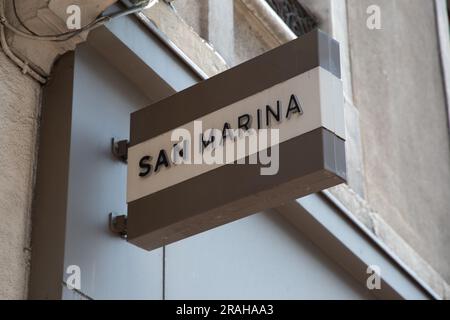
{"points": [[399, 91], [19, 105]]}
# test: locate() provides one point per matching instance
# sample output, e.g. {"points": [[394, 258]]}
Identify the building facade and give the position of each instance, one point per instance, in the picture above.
{"points": [[65, 97]]}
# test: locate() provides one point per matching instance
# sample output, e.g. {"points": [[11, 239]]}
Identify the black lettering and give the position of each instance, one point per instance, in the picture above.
{"points": [[180, 150], [270, 113], [258, 113], [294, 106], [225, 129], [206, 143], [145, 166], [245, 121], [162, 160]]}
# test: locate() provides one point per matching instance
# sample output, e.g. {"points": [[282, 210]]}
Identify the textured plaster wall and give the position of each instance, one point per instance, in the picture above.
{"points": [[398, 89], [19, 105]]}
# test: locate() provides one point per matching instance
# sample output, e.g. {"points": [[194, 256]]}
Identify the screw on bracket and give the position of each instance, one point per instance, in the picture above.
{"points": [[118, 225], [119, 149]]}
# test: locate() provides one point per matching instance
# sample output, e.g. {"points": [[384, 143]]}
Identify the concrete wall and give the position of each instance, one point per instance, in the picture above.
{"points": [[398, 90], [19, 112]]}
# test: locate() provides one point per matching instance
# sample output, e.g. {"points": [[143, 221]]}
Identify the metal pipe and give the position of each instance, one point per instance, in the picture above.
{"points": [[26, 69], [273, 23]]}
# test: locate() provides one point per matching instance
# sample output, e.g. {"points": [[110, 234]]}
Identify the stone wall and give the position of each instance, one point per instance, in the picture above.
{"points": [[19, 113], [399, 91]]}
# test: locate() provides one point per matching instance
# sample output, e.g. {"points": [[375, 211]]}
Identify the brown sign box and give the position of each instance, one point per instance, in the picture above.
{"points": [[308, 163]]}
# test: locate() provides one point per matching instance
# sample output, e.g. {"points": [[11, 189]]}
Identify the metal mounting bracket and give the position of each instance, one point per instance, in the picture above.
{"points": [[118, 225], [119, 149]]}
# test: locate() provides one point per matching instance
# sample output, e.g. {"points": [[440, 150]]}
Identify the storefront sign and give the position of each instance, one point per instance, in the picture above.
{"points": [[258, 135]]}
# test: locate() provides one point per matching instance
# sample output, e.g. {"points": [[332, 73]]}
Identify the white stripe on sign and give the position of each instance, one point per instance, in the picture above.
{"points": [[318, 92]]}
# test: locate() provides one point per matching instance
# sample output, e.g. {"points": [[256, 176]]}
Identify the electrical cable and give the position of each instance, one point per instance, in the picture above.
{"points": [[26, 69], [69, 34], [20, 19], [25, 65], [33, 35], [29, 68]]}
